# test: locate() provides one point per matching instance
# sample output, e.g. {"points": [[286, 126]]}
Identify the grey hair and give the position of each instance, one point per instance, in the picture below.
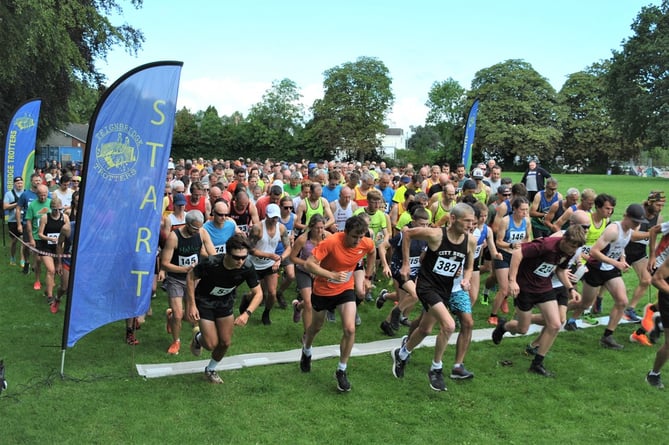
{"points": [[194, 216]]}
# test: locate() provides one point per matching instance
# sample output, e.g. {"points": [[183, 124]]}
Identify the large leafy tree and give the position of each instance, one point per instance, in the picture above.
{"points": [[275, 120], [446, 109], [518, 114], [424, 146], [588, 134], [186, 135], [638, 81], [49, 48], [350, 118]]}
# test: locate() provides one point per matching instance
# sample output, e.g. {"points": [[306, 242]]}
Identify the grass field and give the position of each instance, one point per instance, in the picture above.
{"points": [[598, 396]]}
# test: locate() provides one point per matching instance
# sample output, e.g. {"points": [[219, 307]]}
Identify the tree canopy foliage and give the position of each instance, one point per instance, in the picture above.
{"points": [[49, 50], [638, 80]]}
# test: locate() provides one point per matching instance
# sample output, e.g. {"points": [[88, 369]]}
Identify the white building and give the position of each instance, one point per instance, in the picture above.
{"points": [[393, 139]]}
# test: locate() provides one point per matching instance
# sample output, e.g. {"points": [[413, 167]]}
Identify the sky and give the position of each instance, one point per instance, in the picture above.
{"points": [[233, 51]]}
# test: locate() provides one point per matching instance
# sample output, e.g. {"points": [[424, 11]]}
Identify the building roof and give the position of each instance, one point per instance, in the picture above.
{"points": [[394, 131]]}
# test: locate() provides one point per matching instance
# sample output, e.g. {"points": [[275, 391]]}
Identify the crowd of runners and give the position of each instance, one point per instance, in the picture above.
{"points": [[329, 232]]}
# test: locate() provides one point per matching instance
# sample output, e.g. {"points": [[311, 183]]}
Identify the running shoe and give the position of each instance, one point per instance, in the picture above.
{"points": [[498, 332], [654, 380], [26, 268], [22, 264], [305, 362], [55, 304], [369, 297], [212, 377], [398, 363], [343, 385], [484, 301], [387, 329], [647, 320], [37, 285], [381, 299], [281, 301], [642, 339], [297, 312], [331, 316], [570, 325], [404, 321], [130, 338], [631, 315], [589, 319], [461, 373], [492, 320], [174, 348], [656, 332], [265, 318], [395, 316], [531, 351], [436, 377], [12, 261], [610, 343], [539, 369], [358, 320]]}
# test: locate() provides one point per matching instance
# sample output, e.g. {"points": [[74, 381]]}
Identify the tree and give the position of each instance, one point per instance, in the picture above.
{"points": [[424, 146], [49, 48], [275, 121], [589, 135], [350, 118], [638, 84], [186, 135], [211, 133], [518, 114], [446, 103]]}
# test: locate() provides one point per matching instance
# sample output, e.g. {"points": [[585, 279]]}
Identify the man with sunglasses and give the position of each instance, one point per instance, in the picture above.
{"points": [[182, 252], [210, 296], [221, 227]]}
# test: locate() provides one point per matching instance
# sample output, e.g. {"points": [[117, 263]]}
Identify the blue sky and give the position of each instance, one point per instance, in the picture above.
{"points": [[233, 51]]}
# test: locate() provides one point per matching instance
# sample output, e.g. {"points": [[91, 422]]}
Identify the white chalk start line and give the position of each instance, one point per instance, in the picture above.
{"points": [[319, 352]]}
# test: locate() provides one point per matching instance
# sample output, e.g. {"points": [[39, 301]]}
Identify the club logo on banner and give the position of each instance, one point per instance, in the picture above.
{"points": [[116, 152], [20, 142], [120, 205]]}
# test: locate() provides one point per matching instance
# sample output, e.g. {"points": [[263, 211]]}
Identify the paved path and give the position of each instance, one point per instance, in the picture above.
{"points": [[319, 352]]}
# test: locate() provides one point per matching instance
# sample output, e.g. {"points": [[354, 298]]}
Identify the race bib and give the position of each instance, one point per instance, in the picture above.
{"points": [[52, 235], [544, 270], [348, 277], [244, 228], [187, 261], [516, 236], [586, 250], [446, 267], [220, 291], [220, 248], [477, 252]]}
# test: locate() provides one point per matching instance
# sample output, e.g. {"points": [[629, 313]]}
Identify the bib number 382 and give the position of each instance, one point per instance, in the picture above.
{"points": [[446, 267]]}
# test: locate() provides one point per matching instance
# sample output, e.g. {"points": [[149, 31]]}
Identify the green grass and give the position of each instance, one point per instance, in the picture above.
{"points": [[598, 395]]}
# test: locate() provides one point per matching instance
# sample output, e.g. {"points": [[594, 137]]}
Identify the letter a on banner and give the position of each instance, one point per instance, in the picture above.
{"points": [[116, 232]]}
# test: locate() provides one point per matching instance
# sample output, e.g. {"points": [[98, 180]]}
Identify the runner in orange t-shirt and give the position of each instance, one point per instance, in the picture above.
{"points": [[333, 262]]}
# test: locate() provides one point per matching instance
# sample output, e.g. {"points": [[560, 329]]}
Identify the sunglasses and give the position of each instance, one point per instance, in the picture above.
{"points": [[506, 194], [238, 257], [288, 207], [221, 214]]}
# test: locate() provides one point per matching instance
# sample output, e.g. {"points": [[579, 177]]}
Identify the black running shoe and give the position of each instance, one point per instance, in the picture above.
{"points": [[387, 329], [305, 363], [436, 377], [265, 318], [539, 369], [343, 384], [395, 316], [398, 363], [381, 299], [499, 331]]}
